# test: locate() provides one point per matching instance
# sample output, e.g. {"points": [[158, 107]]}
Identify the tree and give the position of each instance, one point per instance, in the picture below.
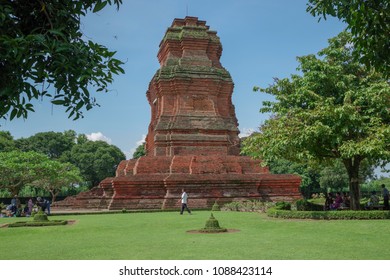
{"points": [[55, 175], [6, 141], [96, 160], [333, 178], [53, 144], [310, 176], [43, 53], [336, 109], [369, 23], [20, 168], [140, 151]]}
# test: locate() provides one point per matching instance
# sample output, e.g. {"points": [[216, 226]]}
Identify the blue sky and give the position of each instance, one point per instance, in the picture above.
{"points": [[261, 40]]}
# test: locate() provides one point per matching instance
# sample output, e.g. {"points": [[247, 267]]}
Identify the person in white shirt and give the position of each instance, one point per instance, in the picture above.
{"points": [[184, 201]]}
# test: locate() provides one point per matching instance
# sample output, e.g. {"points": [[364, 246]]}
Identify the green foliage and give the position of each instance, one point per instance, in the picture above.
{"points": [[55, 175], [374, 185], [310, 176], [53, 144], [6, 141], [140, 151], [282, 205], [31, 191], [20, 168], [247, 206], [329, 215], [212, 226], [5, 192], [45, 54], [334, 178], [216, 207], [336, 109], [369, 23], [305, 205], [40, 217], [96, 160], [330, 177]]}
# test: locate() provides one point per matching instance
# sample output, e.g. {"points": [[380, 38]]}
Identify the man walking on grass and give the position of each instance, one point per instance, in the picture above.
{"points": [[184, 200]]}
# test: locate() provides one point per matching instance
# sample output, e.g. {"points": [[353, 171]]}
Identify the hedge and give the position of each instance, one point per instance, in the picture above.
{"points": [[329, 215]]}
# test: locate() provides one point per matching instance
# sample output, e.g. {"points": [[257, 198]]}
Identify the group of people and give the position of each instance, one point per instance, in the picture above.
{"points": [[16, 209], [334, 202]]}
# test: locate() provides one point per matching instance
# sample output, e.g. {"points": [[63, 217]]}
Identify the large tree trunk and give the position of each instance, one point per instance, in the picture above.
{"points": [[53, 196], [353, 166]]}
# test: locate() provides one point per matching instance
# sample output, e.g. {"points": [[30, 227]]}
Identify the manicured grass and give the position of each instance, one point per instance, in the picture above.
{"points": [[153, 236]]}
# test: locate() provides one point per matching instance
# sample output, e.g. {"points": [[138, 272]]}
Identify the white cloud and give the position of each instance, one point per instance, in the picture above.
{"points": [[245, 132], [98, 136]]}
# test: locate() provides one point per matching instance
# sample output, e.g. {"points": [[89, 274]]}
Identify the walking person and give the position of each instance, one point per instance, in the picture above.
{"points": [[385, 193], [184, 201]]}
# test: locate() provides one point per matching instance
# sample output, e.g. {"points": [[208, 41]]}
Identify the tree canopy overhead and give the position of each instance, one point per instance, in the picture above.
{"points": [[43, 53], [337, 109], [369, 23]]}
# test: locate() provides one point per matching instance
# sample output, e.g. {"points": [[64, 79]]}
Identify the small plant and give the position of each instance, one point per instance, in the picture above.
{"points": [[124, 210], [281, 205], [212, 226], [216, 207]]}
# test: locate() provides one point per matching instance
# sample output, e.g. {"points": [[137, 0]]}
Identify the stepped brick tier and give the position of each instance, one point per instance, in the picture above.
{"points": [[192, 140]]}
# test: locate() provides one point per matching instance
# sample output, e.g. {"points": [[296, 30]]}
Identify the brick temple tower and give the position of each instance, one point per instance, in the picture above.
{"points": [[192, 140]]}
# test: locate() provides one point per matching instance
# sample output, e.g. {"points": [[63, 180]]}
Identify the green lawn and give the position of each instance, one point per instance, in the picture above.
{"points": [[153, 236]]}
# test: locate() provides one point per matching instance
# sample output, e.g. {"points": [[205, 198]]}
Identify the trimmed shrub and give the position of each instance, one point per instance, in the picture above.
{"points": [[40, 217], [212, 226]]}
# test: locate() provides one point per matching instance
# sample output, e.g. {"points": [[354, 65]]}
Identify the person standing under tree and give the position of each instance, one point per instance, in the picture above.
{"points": [[184, 201], [385, 193]]}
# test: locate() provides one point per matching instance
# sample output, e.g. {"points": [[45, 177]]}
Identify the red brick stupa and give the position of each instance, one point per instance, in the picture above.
{"points": [[192, 141]]}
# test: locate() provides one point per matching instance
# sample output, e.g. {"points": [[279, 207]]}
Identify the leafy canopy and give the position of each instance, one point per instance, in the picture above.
{"points": [[20, 168], [369, 23], [335, 109], [43, 53], [96, 160], [56, 175]]}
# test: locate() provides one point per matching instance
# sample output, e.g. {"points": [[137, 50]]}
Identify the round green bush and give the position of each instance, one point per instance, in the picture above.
{"points": [[40, 217]]}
